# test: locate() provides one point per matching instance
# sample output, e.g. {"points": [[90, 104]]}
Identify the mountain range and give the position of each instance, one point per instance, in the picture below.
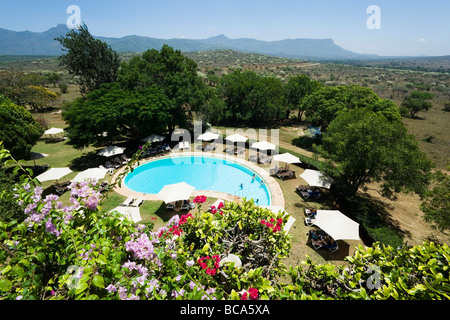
{"points": [[43, 43]]}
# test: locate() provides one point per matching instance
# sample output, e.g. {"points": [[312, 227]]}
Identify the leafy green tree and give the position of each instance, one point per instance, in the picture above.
{"points": [[251, 99], [297, 89], [119, 112], [322, 106], [363, 147], [418, 101], [90, 59], [174, 73], [436, 205], [19, 131]]}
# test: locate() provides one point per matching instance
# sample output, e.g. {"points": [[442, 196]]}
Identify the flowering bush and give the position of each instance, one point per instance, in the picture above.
{"points": [[77, 251]]}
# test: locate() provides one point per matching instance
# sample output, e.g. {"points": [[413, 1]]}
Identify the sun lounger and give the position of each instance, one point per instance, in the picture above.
{"points": [[137, 202], [109, 165], [125, 158], [304, 194], [309, 221], [302, 188], [128, 201], [310, 212], [170, 206], [314, 194], [283, 175], [103, 186], [265, 160], [186, 205], [60, 189]]}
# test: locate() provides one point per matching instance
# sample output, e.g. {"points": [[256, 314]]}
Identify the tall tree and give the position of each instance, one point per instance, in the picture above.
{"points": [[251, 99], [436, 204], [19, 131], [297, 89], [119, 112], [90, 59], [417, 101], [174, 73], [323, 105], [363, 147]]}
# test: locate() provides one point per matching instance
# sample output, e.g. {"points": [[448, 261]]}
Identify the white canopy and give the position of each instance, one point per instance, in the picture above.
{"points": [[208, 136], [111, 151], [236, 138], [287, 158], [264, 145], [337, 225], [316, 178], [92, 173], [53, 174], [276, 209], [176, 192], [131, 213], [54, 131], [154, 138]]}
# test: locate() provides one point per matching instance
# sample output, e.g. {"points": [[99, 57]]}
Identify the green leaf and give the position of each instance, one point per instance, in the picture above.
{"points": [[6, 269], [98, 281], [5, 285]]}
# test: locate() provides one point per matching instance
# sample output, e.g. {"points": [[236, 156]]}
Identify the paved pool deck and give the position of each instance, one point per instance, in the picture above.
{"points": [[277, 197]]}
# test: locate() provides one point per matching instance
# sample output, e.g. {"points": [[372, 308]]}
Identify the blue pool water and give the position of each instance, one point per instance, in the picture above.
{"points": [[203, 173]]}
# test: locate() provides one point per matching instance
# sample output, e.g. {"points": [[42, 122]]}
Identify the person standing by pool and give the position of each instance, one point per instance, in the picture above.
{"points": [[254, 177]]}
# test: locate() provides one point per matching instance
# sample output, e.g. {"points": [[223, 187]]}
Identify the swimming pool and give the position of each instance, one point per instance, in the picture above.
{"points": [[202, 172]]}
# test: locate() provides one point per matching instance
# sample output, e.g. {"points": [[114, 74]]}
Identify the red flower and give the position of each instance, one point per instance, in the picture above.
{"points": [[253, 293], [199, 199]]}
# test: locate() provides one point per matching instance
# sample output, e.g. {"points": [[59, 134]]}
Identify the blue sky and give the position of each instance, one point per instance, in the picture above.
{"points": [[408, 27]]}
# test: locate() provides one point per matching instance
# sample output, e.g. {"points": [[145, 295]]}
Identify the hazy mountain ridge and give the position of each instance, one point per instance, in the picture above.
{"points": [[43, 43]]}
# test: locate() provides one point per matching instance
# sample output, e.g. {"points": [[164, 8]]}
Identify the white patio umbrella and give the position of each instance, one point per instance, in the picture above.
{"points": [[208, 136], [53, 174], [176, 192], [317, 179], [132, 213], [92, 173], [287, 158], [54, 131], [153, 138], [236, 138], [337, 225], [111, 151], [276, 209], [263, 145]]}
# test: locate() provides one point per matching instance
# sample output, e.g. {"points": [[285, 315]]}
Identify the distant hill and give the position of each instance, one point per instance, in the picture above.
{"points": [[43, 43]]}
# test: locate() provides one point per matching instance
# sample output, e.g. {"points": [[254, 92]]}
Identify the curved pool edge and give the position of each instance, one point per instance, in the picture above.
{"points": [[276, 194]]}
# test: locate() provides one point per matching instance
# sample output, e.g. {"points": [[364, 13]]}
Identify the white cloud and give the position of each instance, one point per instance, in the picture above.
{"points": [[422, 40]]}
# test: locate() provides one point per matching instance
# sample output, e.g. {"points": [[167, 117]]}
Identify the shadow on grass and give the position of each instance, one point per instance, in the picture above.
{"points": [[375, 219], [86, 161]]}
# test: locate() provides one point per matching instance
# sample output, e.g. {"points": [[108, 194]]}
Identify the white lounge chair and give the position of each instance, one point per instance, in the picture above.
{"points": [[170, 206], [128, 201], [309, 221], [186, 145], [137, 202]]}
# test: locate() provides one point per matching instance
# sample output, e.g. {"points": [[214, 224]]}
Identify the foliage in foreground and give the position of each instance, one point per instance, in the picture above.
{"points": [[82, 252]]}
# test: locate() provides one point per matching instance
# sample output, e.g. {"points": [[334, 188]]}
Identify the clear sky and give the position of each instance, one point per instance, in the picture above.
{"points": [[407, 27]]}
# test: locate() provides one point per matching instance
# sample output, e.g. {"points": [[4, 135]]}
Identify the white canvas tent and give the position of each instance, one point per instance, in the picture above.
{"points": [[316, 178], [176, 192], [153, 138], [111, 151], [92, 173], [236, 138], [263, 145], [208, 136], [53, 174], [337, 225], [53, 131], [132, 213], [286, 158]]}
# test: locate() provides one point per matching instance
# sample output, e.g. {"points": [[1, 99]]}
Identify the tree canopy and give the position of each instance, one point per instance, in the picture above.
{"points": [[323, 105], [19, 131], [90, 59], [362, 146], [417, 101], [174, 73], [118, 112], [297, 89], [251, 99]]}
